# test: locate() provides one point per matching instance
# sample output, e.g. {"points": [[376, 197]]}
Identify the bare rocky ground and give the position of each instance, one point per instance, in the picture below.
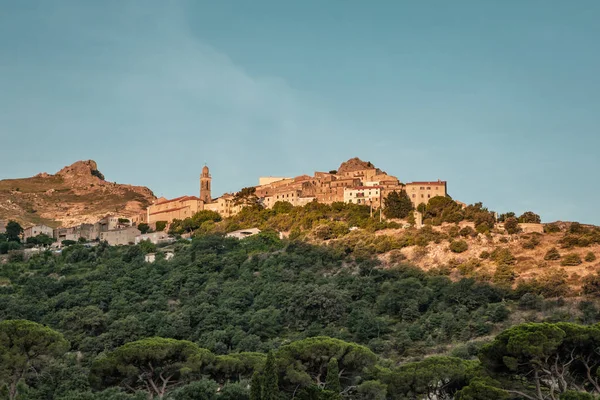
{"points": [[529, 263], [76, 194]]}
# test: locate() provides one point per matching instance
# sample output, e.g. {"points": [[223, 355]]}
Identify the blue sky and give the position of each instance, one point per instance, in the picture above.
{"points": [[499, 98]]}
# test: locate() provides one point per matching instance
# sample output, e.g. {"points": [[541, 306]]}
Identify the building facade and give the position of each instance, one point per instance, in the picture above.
{"points": [[120, 236], [364, 195], [422, 192], [178, 208], [36, 230]]}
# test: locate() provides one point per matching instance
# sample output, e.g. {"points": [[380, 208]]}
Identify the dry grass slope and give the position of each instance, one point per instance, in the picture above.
{"points": [[76, 194]]}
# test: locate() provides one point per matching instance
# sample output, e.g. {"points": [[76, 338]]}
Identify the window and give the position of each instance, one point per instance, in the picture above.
{"points": [[414, 195], [428, 196], [428, 187], [422, 196], [422, 188]]}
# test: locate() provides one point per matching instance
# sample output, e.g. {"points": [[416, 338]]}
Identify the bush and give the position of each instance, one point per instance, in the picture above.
{"points": [[531, 243], [531, 301], [551, 228], [576, 228], [552, 255], [590, 257], [512, 226], [530, 217], [571, 260], [161, 225], [502, 256], [483, 228], [591, 285], [459, 246], [574, 395], [467, 231], [484, 255]]}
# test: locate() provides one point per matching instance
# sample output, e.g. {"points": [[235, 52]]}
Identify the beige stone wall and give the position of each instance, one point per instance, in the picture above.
{"points": [[421, 192], [120, 236], [362, 174], [532, 228], [267, 180], [179, 208], [36, 230], [224, 205]]}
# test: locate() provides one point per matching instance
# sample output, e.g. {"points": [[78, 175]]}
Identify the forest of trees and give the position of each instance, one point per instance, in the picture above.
{"points": [[265, 318]]}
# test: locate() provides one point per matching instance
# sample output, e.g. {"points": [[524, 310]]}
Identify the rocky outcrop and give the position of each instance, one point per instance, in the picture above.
{"points": [[355, 164], [76, 194]]}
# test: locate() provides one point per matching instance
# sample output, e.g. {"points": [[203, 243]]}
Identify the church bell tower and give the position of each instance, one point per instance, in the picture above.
{"points": [[205, 181]]}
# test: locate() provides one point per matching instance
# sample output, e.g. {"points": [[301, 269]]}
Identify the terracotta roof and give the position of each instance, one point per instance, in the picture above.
{"points": [[363, 187], [427, 183], [182, 198], [168, 210]]}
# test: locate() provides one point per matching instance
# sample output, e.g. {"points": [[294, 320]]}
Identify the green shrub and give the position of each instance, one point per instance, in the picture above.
{"points": [[531, 243], [484, 255], [459, 246], [551, 228], [552, 255], [161, 225], [571, 260], [454, 231], [512, 226], [503, 256], [483, 228], [590, 257], [467, 231]]}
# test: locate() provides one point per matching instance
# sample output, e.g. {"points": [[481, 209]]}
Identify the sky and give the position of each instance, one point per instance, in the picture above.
{"points": [[499, 98]]}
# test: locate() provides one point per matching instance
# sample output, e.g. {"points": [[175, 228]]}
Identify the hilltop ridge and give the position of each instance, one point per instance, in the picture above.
{"points": [[76, 194]]}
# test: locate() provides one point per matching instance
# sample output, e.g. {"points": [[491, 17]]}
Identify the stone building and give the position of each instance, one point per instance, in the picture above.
{"points": [[205, 184], [186, 206], [421, 192], [224, 205], [267, 180], [36, 230], [178, 208], [61, 234], [364, 195], [154, 237], [123, 236], [350, 183]]}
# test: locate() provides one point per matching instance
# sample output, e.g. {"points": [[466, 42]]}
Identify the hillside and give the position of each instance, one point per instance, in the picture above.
{"points": [[527, 262], [221, 305], [76, 194], [489, 253]]}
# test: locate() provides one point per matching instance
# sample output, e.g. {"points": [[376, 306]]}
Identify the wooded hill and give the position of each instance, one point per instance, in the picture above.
{"points": [[335, 321]]}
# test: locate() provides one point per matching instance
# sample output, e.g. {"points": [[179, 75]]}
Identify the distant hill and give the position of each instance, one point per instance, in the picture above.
{"points": [[76, 194]]}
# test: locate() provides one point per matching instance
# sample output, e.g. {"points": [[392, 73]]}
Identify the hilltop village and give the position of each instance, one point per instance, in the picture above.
{"points": [[355, 181]]}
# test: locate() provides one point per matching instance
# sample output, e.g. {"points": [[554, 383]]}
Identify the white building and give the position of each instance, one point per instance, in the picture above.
{"points": [[243, 233], [155, 237], [151, 257], [365, 195]]}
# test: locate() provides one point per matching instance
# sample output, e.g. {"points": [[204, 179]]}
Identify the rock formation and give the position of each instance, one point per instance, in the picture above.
{"points": [[76, 194]]}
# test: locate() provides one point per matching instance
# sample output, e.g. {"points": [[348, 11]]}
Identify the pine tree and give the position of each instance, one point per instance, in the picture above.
{"points": [[397, 205], [332, 382], [256, 387], [270, 387]]}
